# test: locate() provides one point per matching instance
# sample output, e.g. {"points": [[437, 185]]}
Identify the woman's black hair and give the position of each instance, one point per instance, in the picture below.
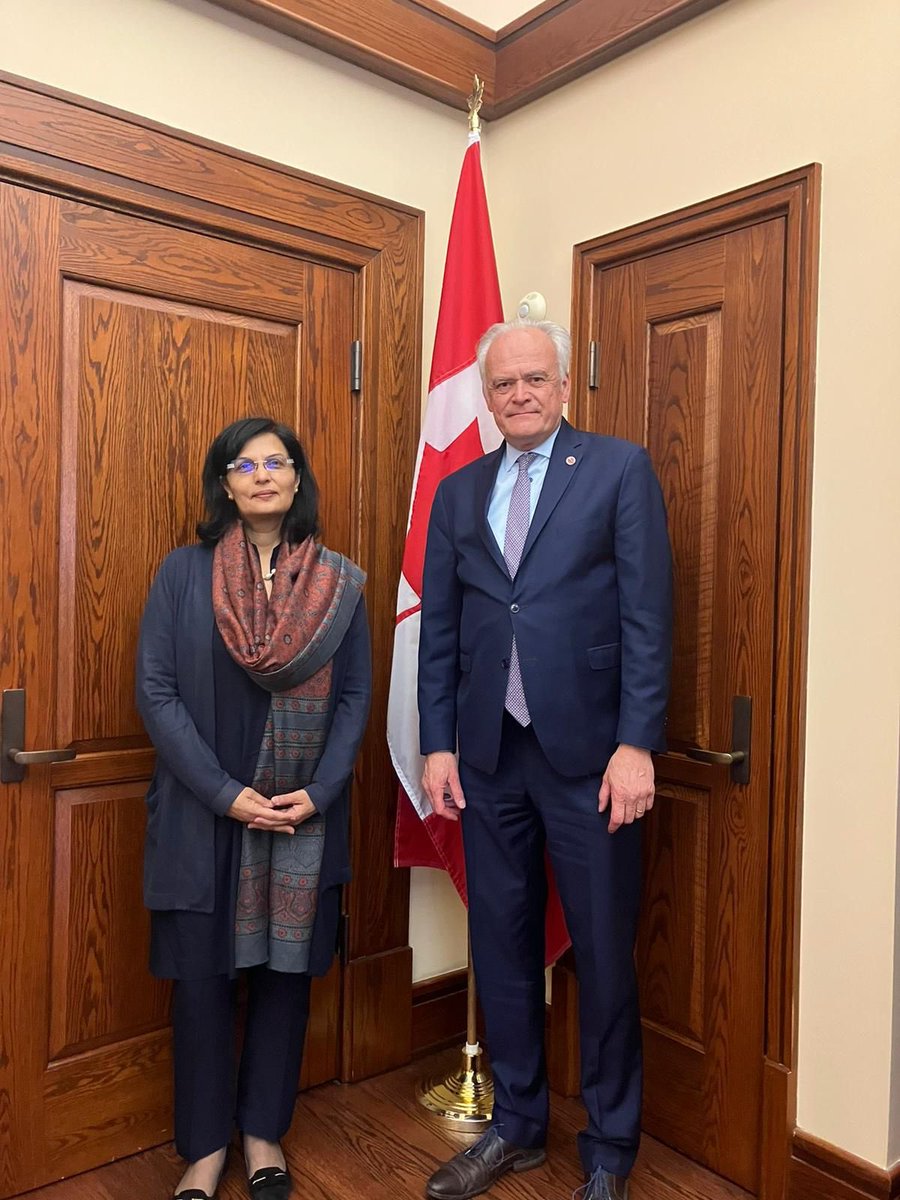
{"points": [[301, 519]]}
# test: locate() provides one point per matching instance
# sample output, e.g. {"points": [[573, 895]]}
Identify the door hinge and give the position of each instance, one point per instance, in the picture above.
{"points": [[593, 365], [356, 366], [343, 938]]}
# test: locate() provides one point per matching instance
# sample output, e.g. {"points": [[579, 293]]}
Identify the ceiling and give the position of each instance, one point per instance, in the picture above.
{"points": [[493, 13]]}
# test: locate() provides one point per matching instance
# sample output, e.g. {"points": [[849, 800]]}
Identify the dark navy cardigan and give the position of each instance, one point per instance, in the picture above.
{"points": [[189, 789]]}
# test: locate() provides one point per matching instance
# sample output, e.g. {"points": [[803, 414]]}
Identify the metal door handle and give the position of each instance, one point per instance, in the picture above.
{"points": [[721, 758], [738, 758], [27, 758], [13, 760]]}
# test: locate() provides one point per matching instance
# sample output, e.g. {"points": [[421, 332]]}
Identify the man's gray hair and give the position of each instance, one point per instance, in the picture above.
{"points": [[562, 341]]}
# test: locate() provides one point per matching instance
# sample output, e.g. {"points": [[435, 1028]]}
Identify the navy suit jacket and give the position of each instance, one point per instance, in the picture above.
{"points": [[590, 606]]}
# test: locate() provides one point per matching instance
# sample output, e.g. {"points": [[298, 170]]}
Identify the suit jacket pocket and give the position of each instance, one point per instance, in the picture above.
{"points": [[602, 658]]}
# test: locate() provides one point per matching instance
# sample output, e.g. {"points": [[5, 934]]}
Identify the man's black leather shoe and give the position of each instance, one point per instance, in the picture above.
{"points": [[474, 1170], [603, 1186]]}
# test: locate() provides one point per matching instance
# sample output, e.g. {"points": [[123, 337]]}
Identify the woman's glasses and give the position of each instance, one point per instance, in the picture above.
{"points": [[272, 464]]}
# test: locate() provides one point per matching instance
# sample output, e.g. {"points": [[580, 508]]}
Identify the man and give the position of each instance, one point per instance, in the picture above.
{"points": [[544, 655]]}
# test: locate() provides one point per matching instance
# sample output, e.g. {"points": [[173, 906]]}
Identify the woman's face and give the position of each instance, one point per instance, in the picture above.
{"points": [[266, 489]]}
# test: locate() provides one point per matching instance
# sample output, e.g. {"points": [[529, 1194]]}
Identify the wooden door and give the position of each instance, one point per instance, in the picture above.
{"points": [[126, 345], [690, 365]]}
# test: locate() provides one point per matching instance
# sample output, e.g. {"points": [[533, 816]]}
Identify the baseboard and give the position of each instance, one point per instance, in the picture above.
{"points": [[820, 1171], [439, 1011]]}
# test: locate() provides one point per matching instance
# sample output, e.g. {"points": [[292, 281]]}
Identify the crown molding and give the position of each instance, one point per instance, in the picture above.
{"points": [[412, 44], [429, 47], [573, 38]]}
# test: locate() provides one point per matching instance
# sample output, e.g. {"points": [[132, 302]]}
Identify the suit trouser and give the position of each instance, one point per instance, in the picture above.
{"points": [[207, 1105], [510, 817]]}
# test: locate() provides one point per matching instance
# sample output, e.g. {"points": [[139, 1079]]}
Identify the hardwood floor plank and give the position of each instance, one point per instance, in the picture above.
{"points": [[374, 1141]]}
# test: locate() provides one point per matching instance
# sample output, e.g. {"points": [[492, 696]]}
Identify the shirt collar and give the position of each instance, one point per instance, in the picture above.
{"points": [[544, 449]]}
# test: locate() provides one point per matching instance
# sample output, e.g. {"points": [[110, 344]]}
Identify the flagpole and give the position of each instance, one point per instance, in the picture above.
{"points": [[474, 102], [465, 1098], [471, 999]]}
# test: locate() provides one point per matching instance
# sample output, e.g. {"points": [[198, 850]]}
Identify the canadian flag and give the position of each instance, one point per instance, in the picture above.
{"points": [[456, 428]]}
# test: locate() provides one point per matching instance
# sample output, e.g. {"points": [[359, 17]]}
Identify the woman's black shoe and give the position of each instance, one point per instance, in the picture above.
{"points": [[270, 1183], [192, 1193]]}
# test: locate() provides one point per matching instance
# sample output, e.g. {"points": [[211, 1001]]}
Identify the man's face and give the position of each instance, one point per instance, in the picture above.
{"points": [[522, 387]]}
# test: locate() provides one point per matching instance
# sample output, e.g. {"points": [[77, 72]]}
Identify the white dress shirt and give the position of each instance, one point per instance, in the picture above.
{"points": [[498, 508]]}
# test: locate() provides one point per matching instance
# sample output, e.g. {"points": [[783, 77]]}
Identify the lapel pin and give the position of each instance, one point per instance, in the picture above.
{"points": [[570, 461]]}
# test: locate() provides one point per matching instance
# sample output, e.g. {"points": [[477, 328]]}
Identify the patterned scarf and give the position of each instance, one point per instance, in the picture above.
{"points": [[285, 643]]}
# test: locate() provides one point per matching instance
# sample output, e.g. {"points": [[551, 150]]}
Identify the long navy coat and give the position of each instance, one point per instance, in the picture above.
{"points": [[189, 789]]}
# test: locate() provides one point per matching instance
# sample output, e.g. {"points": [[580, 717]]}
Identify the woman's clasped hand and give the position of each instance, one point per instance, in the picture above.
{"points": [[278, 814]]}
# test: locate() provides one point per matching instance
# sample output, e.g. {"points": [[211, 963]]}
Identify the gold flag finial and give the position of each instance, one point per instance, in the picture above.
{"points": [[475, 101]]}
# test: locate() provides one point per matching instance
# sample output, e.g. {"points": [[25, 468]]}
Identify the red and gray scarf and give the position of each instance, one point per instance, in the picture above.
{"points": [[285, 642]]}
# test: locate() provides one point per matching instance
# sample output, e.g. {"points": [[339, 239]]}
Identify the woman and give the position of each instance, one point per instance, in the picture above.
{"points": [[254, 680]]}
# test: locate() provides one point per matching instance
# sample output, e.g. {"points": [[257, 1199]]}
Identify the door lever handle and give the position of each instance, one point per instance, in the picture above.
{"points": [[738, 758], [14, 760], [721, 758], [28, 758]]}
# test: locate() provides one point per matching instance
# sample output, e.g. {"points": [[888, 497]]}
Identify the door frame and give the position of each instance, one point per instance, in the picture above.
{"points": [[76, 148], [795, 197]]}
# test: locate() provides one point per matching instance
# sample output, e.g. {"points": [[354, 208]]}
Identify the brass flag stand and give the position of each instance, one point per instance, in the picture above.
{"points": [[464, 1098]]}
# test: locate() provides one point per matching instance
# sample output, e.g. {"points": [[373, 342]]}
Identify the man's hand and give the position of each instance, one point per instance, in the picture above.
{"points": [[627, 786], [440, 780]]}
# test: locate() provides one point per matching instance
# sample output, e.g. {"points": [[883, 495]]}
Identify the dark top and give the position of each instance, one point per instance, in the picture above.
{"points": [[206, 721], [196, 945]]}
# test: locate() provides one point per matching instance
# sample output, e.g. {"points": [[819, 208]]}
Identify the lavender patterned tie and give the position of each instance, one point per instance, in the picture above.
{"points": [[517, 521]]}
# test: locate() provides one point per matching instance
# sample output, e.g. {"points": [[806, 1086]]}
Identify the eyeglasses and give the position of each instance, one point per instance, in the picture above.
{"points": [[272, 464], [535, 381]]}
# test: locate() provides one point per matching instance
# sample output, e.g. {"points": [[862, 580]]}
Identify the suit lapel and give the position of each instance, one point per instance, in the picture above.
{"points": [[485, 486], [559, 475]]}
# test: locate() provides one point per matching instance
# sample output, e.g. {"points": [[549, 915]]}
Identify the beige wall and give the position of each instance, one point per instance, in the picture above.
{"points": [[195, 67], [751, 89]]}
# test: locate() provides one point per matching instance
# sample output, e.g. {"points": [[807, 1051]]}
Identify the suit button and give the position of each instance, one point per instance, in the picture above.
{"points": [[504, 663], [514, 608]]}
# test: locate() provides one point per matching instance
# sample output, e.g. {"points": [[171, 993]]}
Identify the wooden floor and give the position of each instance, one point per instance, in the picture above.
{"points": [[373, 1141]]}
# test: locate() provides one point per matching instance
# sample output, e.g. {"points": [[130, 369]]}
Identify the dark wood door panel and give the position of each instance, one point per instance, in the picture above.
{"points": [[165, 261], [100, 991], [156, 356], [684, 282], [93, 1106], [674, 922], [733, 277], [327, 415], [690, 366], [145, 384], [29, 355], [722, 366], [138, 232], [684, 403]]}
